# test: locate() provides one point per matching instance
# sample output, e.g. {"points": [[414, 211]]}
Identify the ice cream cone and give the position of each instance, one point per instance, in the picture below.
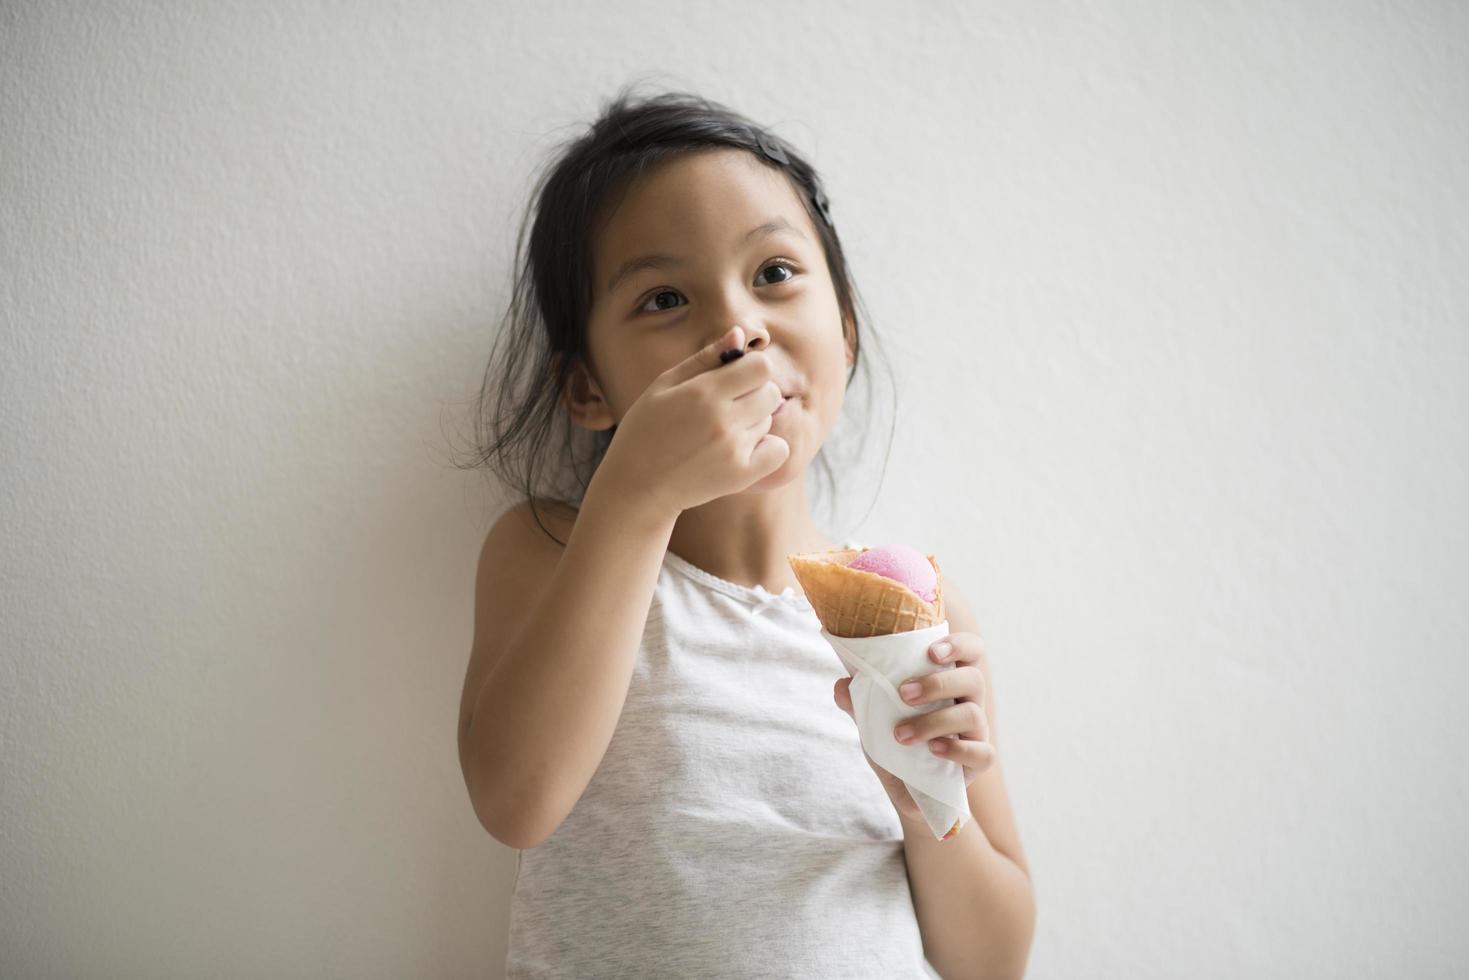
{"points": [[851, 602]]}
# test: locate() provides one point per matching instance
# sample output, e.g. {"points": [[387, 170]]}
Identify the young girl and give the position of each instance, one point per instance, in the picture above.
{"points": [[648, 711]]}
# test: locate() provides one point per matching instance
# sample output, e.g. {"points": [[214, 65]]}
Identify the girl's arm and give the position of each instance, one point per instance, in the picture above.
{"points": [[535, 728], [563, 646], [973, 893]]}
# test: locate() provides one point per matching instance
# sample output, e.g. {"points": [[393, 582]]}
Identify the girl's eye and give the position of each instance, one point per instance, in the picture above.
{"points": [[774, 264], [782, 264], [661, 292]]}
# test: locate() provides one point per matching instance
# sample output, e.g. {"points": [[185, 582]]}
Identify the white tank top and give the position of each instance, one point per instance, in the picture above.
{"points": [[734, 828]]}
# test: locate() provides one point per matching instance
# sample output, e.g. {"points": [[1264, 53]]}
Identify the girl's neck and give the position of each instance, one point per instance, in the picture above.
{"points": [[747, 546]]}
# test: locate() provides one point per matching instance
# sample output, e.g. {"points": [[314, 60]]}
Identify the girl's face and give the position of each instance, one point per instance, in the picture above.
{"points": [[705, 218]]}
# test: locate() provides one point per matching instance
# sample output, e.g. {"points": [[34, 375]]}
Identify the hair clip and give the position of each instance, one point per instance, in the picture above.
{"points": [[770, 149], [818, 198]]}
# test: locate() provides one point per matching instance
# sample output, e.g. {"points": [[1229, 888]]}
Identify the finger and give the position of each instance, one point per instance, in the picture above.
{"points": [[965, 719], [769, 454], [758, 405], [751, 385], [961, 647], [979, 730], [983, 729], [977, 754], [744, 378], [956, 682], [704, 359]]}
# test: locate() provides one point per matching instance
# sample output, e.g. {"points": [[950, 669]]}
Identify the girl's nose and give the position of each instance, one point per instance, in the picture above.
{"points": [[758, 338]]}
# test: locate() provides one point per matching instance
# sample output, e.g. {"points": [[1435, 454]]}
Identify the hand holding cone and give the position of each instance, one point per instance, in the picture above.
{"points": [[856, 603]]}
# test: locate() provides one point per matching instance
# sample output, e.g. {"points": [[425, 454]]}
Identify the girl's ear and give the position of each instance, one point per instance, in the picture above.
{"points": [[583, 399]]}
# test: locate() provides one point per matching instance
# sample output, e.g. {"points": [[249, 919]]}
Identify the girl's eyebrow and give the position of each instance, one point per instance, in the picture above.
{"points": [[633, 266]]}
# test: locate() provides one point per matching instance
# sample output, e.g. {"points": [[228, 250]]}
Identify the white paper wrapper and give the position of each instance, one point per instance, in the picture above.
{"points": [[877, 665]]}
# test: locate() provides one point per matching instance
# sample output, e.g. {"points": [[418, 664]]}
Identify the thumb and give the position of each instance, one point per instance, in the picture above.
{"points": [[841, 693]]}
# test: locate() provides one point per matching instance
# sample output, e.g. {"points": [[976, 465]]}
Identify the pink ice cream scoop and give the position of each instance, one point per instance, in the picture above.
{"points": [[902, 564]]}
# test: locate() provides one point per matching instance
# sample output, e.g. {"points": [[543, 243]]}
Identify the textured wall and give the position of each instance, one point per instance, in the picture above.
{"points": [[1184, 283]]}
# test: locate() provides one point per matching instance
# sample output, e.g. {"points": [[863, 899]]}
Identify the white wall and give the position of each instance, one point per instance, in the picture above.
{"points": [[1191, 279]]}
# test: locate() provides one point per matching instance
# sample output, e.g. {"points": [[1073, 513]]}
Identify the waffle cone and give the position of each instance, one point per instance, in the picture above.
{"points": [[851, 602]]}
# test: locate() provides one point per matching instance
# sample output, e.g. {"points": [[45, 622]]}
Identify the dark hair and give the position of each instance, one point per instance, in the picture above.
{"points": [[545, 333]]}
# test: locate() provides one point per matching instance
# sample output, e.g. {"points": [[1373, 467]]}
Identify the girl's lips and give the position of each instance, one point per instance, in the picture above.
{"points": [[781, 407]]}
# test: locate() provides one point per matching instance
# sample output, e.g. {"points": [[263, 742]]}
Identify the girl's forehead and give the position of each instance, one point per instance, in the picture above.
{"points": [[707, 196]]}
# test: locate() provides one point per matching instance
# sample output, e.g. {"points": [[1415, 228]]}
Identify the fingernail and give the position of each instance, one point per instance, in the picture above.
{"points": [[942, 649], [903, 733], [910, 690]]}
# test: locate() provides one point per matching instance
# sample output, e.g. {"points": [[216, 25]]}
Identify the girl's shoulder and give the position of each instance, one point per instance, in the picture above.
{"points": [[555, 516]]}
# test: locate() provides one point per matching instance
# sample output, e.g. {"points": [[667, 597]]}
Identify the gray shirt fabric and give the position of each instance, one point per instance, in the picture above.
{"points": [[733, 828]]}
